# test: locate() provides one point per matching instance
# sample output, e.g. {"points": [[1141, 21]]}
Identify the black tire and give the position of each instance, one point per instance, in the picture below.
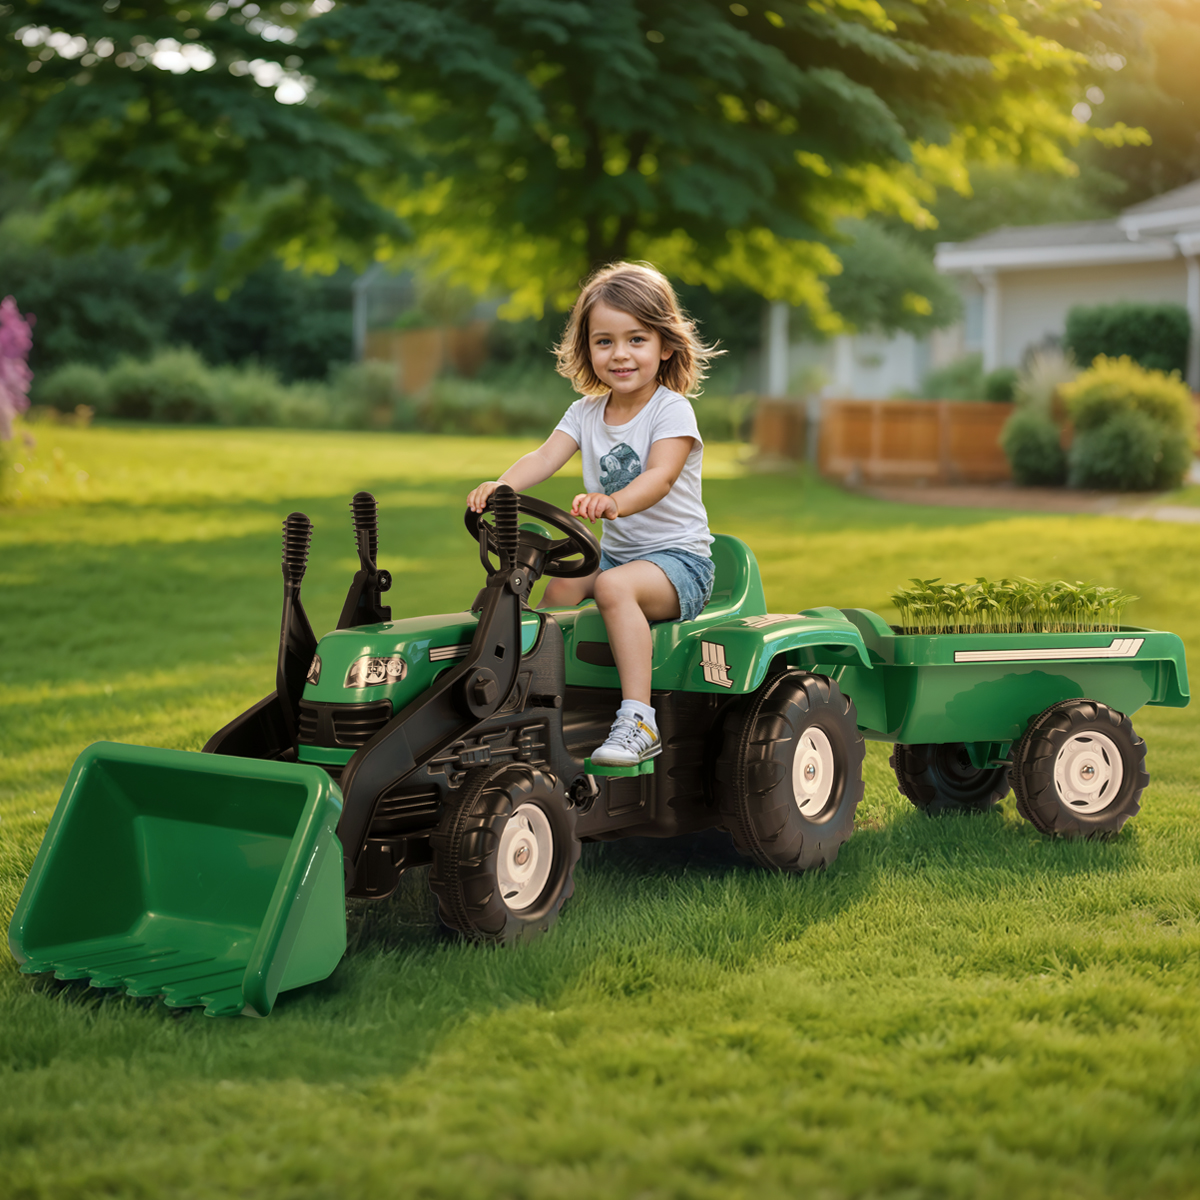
{"points": [[1080, 770], [478, 876], [794, 723], [941, 778]]}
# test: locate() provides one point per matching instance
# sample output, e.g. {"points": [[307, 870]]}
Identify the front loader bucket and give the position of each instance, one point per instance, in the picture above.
{"points": [[206, 879]]}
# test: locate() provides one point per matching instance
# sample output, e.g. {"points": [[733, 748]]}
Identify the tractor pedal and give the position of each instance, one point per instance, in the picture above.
{"points": [[642, 768]]}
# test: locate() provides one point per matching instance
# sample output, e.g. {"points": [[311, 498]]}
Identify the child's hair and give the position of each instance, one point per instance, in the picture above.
{"points": [[645, 293]]}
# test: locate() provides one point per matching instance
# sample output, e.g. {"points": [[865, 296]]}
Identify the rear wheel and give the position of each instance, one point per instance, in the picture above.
{"points": [[789, 774], [942, 778], [1080, 770], [504, 855]]}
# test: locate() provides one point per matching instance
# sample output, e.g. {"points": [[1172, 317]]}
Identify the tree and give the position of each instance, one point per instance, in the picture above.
{"points": [[523, 141], [184, 130], [1152, 82], [720, 141], [889, 283]]}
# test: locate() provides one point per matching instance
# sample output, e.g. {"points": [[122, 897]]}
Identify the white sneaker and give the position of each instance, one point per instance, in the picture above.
{"points": [[630, 741]]}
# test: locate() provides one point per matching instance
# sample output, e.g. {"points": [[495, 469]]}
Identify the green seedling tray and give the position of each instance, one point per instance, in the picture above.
{"points": [[205, 879]]}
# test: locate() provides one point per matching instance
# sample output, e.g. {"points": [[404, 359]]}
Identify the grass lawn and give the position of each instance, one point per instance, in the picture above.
{"points": [[957, 1008]]}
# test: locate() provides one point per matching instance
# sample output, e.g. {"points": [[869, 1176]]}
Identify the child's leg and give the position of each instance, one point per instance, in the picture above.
{"points": [[567, 593], [629, 597]]}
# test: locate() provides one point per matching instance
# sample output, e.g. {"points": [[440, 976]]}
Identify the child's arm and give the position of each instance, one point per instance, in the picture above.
{"points": [[532, 468], [663, 464]]}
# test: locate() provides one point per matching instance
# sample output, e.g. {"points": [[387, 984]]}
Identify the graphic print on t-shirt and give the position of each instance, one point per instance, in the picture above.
{"points": [[619, 467]]}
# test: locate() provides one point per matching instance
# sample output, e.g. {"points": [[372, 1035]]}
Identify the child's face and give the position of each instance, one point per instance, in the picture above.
{"points": [[626, 354]]}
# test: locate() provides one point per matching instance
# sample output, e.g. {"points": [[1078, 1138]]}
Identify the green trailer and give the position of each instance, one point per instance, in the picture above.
{"points": [[459, 743]]}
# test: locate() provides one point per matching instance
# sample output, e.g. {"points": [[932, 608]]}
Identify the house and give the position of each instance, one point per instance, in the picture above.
{"points": [[1019, 282]]}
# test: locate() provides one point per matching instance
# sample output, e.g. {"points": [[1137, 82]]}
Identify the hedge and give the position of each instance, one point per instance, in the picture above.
{"points": [[1154, 335]]}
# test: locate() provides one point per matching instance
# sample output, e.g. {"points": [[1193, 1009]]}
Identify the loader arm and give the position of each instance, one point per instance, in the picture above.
{"points": [[457, 701]]}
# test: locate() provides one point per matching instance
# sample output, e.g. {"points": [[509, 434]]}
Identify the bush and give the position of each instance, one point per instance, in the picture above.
{"points": [[725, 418], [1030, 441], [71, 386], [1000, 385], [959, 380], [174, 386], [1041, 380], [249, 395], [470, 406], [107, 304], [365, 396], [1131, 452], [1113, 386], [1153, 335]]}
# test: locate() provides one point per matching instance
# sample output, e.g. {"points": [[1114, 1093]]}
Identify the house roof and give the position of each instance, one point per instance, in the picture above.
{"points": [[1156, 229], [1180, 197]]}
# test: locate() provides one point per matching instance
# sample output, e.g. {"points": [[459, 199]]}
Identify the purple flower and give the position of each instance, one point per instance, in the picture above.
{"points": [[16, 338]]}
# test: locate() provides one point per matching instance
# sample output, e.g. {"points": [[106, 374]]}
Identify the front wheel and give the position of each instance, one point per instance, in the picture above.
{"points": [[504, 855], [789, 774], [1080, 770], [942, 778]]}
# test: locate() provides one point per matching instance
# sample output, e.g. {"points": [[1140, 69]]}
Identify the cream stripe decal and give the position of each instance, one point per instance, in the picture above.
{"points": [[1120, 648], [442, 653], [712, 660]]}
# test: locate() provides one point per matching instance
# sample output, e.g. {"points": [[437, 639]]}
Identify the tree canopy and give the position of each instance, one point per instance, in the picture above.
{"points": [[513, 144]]}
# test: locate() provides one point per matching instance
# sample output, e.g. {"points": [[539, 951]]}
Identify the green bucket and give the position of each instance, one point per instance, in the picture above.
{"points": [[201, 878]]}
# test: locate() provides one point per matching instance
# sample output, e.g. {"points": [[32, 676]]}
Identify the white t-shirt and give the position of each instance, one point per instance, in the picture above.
{"points": [[614, 455]]}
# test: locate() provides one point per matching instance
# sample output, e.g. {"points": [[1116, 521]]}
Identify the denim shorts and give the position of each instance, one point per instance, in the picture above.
{"points": [[690, 575]]}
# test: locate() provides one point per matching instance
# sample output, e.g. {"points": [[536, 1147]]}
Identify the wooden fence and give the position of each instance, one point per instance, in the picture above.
{"points": [[913, 441], [418, 355]]}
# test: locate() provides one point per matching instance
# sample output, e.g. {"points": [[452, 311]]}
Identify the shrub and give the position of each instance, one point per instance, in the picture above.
{"points": [[1153, 335], [469, 406], [1124, 454], [1119, 385], [305, 406], [959, 380], [725, 418], [250, 395], [366, 396], [71, 386], [1030, 441], [1000, 385], [174, 385], [1041, 380]]}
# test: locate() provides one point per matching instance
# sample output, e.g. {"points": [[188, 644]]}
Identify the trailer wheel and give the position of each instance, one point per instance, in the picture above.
{"points": [[941, 778], [789, 773], [504, 855], [1080, 770]]}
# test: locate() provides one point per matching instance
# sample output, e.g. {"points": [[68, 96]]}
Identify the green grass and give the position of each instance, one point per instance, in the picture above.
{"points": [[958, 1007]]}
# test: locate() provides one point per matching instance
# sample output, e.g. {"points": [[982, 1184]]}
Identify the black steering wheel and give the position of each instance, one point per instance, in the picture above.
{"points": [[572, 556]]}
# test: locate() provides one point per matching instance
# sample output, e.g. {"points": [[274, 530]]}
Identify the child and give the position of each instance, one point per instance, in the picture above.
{"points": [[635, 356]]}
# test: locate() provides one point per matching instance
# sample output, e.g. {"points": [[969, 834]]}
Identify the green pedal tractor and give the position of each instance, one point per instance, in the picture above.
{"points": [[460, 742]]}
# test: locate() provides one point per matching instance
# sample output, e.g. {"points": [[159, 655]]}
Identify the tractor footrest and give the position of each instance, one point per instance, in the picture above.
{"points": [[642, 768]]}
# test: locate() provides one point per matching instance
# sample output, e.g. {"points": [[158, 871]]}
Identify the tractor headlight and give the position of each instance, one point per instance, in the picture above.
{"points": [[314, 671], [372, 672]]}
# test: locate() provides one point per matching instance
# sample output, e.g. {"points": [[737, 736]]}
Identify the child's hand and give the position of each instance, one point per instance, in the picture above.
{"points": [[594, 505], [477, 500]]}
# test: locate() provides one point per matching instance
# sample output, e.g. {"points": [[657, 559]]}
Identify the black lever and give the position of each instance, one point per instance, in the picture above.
{"points": [[363, 605]]}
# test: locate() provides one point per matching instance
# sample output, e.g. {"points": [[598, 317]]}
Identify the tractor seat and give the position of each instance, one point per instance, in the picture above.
{"points": [[737, 591]]}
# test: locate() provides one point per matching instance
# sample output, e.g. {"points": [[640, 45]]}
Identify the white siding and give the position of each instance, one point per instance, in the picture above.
{"points": [[1035, 303]]}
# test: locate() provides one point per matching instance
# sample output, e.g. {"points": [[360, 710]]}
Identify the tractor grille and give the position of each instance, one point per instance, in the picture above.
{"points": [[342, 724]]}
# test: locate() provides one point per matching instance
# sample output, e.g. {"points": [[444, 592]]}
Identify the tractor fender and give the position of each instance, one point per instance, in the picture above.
{"points": [[734, 656]]}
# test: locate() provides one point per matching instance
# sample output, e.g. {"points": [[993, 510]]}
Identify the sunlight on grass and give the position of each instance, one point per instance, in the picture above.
{"points": [[957, 1007]]}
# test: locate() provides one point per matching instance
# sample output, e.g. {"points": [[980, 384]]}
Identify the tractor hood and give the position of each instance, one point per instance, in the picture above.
{"points": [[395, 660]]}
